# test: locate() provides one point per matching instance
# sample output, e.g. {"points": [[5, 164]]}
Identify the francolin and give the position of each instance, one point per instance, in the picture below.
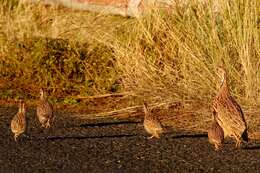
{"points": [[216, 134], [151, 124], [18, 123], [229, 114], [44, 110]]}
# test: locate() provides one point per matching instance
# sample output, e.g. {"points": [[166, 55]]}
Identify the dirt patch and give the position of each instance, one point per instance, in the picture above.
{"points": [[115, 146]]}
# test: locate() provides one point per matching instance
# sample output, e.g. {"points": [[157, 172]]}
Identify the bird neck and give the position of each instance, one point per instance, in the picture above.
{"points": [[43, 97], [148, 116], [23, 108], [20, 109], [146, 111], [214, 117], [224, 85]]}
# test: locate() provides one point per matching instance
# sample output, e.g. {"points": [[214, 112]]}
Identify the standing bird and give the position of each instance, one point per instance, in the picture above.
{"points": [[216, 134], [151, 124], [18, 123], [44, 111], [229, 114]]}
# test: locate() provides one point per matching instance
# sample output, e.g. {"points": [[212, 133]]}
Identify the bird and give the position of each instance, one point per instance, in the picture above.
{"points": [[229, 114], [44, 110], [215, 134], [18, 123], [151, 124]]}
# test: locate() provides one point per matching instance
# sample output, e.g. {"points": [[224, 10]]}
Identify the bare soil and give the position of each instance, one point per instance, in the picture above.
{"points": [[108, 145]]}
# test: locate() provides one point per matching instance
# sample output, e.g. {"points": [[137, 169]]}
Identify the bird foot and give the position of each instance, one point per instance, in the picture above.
{"points": [[150, 137], [238, 145], [217, 148], [47, 125]]}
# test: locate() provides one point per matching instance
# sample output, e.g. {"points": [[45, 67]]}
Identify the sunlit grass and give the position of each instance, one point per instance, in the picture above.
{"points": [[57, 49], [164, 56]]}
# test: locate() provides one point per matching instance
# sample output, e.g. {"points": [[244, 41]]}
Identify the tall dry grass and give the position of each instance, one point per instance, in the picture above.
{"points": [[173, 54], [166, 55]]}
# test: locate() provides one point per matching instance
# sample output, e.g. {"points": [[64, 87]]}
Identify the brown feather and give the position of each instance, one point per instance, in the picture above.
{"points": [[44, 111], [229, 114], [18, 123], [216, 134], [151, 124]]}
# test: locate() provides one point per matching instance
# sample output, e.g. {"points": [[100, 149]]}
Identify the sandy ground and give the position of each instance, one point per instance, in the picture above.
{"points": [[106, 146]]}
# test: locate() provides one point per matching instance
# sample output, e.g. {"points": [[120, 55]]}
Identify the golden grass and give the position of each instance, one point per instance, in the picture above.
{"points": [[55, 48], [165, 56], [173, 55]]}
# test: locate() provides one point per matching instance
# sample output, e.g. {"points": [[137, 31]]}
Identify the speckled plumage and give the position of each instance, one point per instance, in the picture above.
{"points": [[44, 111], [18, 123], [216, 134], [229, 114], [151, 124]]}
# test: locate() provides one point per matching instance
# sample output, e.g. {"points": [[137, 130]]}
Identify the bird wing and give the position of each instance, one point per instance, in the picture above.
{"points": [[156, 125], [229, 116], [44, 109], [18, 122]]}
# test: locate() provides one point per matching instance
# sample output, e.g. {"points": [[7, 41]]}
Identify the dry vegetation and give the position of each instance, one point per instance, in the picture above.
{"points": [[165, 56]]}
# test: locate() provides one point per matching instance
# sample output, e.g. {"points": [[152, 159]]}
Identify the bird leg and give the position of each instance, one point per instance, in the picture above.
{"points": [[151, 137], [156, 135], [15, 137], [238, 144], [43, 125], [217, 147], [48, 125], [27, 136]]}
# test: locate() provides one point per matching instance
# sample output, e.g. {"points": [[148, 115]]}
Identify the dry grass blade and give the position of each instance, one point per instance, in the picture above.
{"points": [[163, 56]]}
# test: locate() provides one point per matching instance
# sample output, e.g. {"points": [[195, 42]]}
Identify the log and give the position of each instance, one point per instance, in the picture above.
{"points": [[132, 8]]}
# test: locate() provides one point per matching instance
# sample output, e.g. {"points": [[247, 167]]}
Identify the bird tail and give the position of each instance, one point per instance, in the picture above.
{"points": [[245, 136]]}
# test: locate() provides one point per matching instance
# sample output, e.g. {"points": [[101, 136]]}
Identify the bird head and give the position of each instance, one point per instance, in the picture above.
{"points": [[42, 93], [146, 109], [221, 72], [20, 105], [23, 107]]}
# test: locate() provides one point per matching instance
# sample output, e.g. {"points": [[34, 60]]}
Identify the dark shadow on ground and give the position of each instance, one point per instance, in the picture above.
{"points": [[253, 147], [108, 123], [122, 147], [87, 137]]}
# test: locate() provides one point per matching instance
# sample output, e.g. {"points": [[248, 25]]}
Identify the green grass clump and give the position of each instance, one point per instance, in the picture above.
{"points": [[57, 49], [59, 65]]}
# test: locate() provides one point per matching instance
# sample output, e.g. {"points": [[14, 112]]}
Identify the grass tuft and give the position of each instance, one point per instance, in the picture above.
{"points": [[165, 56]]}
